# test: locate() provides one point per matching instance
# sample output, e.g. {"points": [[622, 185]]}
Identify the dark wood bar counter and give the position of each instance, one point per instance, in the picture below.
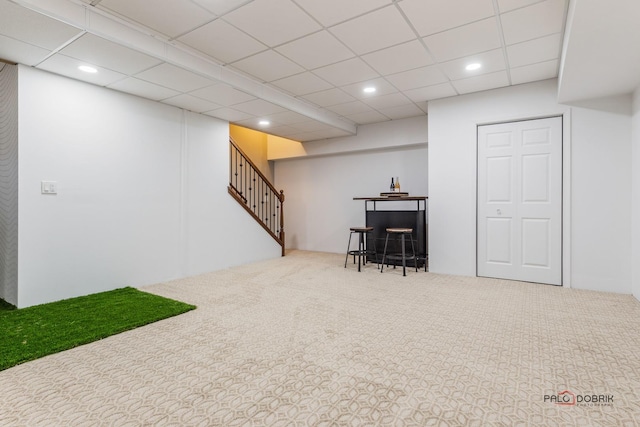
{"points": [[382, 212], [392, 198]]}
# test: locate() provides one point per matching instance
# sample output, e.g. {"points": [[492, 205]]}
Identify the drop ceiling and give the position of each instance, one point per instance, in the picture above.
{"points": [[301, 64]]}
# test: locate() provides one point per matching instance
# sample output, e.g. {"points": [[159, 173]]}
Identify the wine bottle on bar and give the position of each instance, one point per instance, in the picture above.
{"points": [[397, 186], [393, 187]]}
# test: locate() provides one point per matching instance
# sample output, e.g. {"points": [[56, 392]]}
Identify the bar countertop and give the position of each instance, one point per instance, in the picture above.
{"points": [[391, 198]]}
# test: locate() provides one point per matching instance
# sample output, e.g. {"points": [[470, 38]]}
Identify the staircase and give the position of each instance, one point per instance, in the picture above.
{"points": [[255, 193]]}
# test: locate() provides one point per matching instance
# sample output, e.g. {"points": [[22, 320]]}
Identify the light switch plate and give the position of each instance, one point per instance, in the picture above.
{"points": [[49, 187]]}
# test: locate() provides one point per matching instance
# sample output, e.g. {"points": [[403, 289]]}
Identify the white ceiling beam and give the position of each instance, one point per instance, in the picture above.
{"points": [[99, 23]]}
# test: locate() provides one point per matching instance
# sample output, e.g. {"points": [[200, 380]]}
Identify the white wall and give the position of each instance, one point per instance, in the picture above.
{"points": [[218, 232], [635, 167], [319, 206], [599, 175], [141, 192], [601, 195]]}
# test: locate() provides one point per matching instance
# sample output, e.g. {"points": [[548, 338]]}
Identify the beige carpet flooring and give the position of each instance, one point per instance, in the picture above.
{"points": [[302, 341]]}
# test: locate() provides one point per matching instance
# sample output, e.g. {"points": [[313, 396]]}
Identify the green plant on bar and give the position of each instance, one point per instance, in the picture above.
{"points": [[33, 332]]}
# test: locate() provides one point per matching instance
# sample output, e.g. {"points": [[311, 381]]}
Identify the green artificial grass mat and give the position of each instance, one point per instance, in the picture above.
{"points": [[33, 332]]}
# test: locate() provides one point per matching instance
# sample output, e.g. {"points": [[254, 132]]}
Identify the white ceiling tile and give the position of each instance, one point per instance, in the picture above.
{"points": [[331, 12], [443, 90], [350, 108], [538, 20], [537, 50], [191, 103], [231, 43], [144, 89], [387, 101], [33, 28], [220, 7], [173, 77], [66, 66], [272, 21], [402, 111], [491, 61], [310, 126], [326, 133], [375, 30], [463, 41], [329, 97], [534, 72], [286, 118], [19, 52], [252, 123], [433, 16], [168, 17], [222, 94], [258, 107], [425, 76], [484, 82], [346, 72], [278, 66], [507, 5], [258, 124], [403, 57], [302, 84], [228, 114], [382, 86], [282, 130], [316, 50], [98, 51], [286, 132], [367, 117]]}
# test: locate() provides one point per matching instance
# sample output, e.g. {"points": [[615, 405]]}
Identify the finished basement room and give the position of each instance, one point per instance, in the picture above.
{"points": [[319, 212]]}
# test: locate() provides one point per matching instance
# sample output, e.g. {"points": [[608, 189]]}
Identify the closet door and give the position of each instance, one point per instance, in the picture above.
{"points": [[519, 198]]}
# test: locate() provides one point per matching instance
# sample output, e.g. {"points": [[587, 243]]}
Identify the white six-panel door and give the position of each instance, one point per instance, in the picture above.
{"points": [[519, 203]]}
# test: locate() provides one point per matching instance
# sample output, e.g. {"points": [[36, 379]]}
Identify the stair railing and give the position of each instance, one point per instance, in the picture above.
{"points": [[255, 193]]}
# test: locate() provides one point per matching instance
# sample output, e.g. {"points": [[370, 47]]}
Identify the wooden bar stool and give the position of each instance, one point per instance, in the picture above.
{"points": [[362, 251], [402, 232]]}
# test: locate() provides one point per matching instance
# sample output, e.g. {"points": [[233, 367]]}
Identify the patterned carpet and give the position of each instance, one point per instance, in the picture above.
{"points": [[302, 341]]}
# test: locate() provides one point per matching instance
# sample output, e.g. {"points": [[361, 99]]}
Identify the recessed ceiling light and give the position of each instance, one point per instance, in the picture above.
{"points": [[264, 122], [473, 66], [87, 69], [369, 89]]}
